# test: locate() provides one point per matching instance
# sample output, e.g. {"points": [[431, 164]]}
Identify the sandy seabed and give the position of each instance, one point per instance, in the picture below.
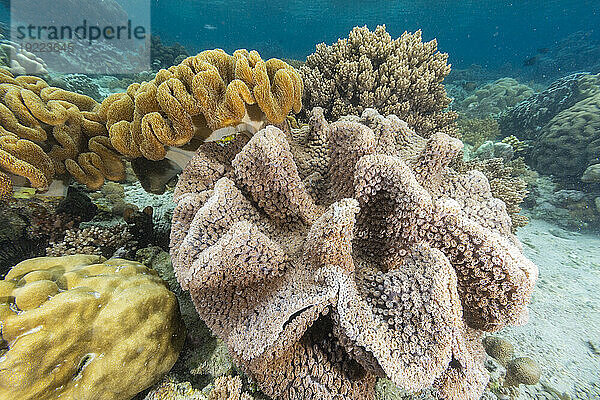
{"points": [[563, 332]]}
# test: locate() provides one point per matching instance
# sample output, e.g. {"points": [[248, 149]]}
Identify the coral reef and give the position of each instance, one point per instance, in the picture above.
{"points": [[522, 370], [224, 388], [400, 76], [47, 132], [82, 327], [164, 56], [78, 83], [519, 147], [570, 142], [567, 208], [475, 131], [506, 183], [20, 61], [499, 349], [205, 92], [93, 240], [327, 256], [591, 174], [490, 149], [526, 119], [204, 357], [494, 98]]}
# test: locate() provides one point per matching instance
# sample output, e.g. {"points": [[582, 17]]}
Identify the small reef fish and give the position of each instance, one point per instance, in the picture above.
{"points": [[531, 61], [210, 27]]}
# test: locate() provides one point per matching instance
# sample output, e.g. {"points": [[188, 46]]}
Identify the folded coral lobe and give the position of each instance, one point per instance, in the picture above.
{"points": [[341, 252], [205, 92]]}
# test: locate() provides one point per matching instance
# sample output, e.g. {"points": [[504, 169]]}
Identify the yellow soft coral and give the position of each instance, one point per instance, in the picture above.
{"points": [[70, 324], [5, 187], [212, 89], [47, 131]]}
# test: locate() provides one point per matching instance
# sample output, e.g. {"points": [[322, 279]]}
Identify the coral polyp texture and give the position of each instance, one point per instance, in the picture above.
{"points": [[334, 254], [46, 132], [70, 324], [369, 69], [205, 92]]}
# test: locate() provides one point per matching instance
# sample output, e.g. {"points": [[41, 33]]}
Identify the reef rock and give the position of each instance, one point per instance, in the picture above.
{"points": [[326, 257]]}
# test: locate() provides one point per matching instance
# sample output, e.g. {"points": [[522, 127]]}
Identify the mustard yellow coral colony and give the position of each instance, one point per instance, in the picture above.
{"points": [[48, 131], [208, 91]]}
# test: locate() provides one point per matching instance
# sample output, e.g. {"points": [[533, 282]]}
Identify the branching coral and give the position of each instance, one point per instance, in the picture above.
{"points": [[92, 240], [369, 69], [355, 252], [47, 131], [208, 91]]}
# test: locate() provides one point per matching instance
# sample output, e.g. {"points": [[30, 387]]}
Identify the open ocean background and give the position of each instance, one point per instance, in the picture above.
{"points": [[488, 33]]}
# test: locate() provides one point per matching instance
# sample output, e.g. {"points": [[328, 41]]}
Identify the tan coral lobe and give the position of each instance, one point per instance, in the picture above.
{"points": [[331, 254], [208, 91], [46, 132]]}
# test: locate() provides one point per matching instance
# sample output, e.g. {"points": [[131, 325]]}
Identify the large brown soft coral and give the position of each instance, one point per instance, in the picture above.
{"points": [[369, 69], [205, 92], [47, 131], [330, 256]]}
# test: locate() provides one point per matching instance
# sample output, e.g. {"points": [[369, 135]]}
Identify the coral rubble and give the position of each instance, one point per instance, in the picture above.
{"points": [[80, 327], [328, 256], [369, 69]]}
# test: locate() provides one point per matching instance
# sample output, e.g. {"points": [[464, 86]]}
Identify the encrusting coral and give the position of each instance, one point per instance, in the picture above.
{"points": [[205, 92], [70, 325], [47, 131], [328, 256], [368, 69]]}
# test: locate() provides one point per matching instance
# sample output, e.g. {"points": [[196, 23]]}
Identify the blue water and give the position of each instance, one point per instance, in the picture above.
{"points": [[490, 33]]}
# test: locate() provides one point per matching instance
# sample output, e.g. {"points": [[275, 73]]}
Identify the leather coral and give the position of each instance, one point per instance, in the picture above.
{"points": [[47, 131], [205, 92], [327, 257]]}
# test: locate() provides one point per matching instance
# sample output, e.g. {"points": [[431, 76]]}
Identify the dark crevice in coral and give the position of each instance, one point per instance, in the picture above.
{"points": [[320, 334]]}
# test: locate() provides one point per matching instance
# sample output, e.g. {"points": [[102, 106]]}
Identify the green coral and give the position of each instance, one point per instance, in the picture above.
{"points": [[570, 142], [81, 327], [475, 131], [495, 97]]}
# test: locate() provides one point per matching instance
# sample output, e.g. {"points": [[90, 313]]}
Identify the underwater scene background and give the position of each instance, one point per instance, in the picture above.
{"points": [[299, 200]]}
